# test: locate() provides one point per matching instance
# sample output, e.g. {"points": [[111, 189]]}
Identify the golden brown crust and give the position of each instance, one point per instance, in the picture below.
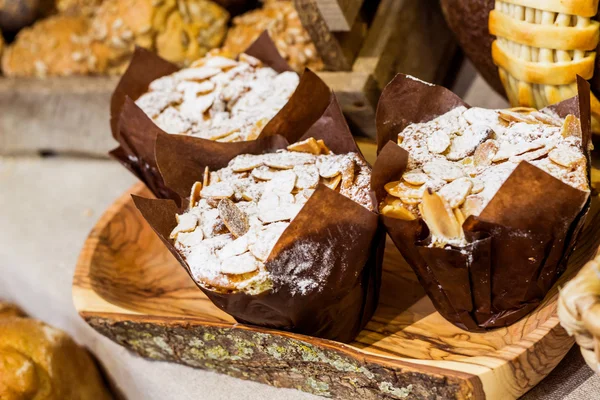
{"points": [[75, 44], [281, 20], [541, 47], [38, 361], [83, 7], [54, 46], [191, 30]]}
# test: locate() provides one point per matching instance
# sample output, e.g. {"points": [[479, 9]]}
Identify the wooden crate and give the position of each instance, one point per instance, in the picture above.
{"points": [[362, 54]]}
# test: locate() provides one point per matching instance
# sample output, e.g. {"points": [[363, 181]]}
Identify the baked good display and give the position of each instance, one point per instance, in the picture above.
{"points": [[531, 51], [276, 234], [104, 41], [38, 361], [232, 101], [281, 20], [219, 98], [485, 205], [55, 46], [237, 214], [459, 160]]}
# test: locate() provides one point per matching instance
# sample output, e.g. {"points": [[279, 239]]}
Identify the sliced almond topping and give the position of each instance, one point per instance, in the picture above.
{"points": [[465, 145], [410, 200], [546, 118], [348, 174], [532, 155], [239, 265], [219, 190], [518, 114], [234, 248], [220, 62], [197, 74], [398, 211], [440, 218], [309, 145], [567, 156], [485, 153], [206, 178], [329, 167], [415, 178], [264, 173], [456, 192], [332, 183], [508, 150], [571, 127], [246, 162], [323, 146], [478, 186], [288, 160], [438, 142], [308, 176], [443, 170], [195, 194], [473, 205], [459, 216], [282, 182], [190, 239], [185, 223], [234, 219], [401, 189]]}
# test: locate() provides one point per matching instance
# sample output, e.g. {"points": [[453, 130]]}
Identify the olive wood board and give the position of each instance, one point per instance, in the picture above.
{"points": [[129, 288]]}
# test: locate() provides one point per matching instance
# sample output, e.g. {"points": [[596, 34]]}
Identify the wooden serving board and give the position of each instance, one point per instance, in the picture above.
{"points": [[129, 288]]}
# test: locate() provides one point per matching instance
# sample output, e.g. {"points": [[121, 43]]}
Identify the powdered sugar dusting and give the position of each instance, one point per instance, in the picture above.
{"points": [[219, 99]]}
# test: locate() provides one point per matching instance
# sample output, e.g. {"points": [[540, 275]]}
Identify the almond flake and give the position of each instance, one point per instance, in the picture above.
{"points": [[485, 153], [308, 176], [465, 145], [566, 156], [239, 265], [415, 178], [206, 177], [264, 173], [395, 209], [473, 205], [282, 182], [219, 190], [332, 183], [195, 194], [309, 145], [234, 219], [571, 127], [197, 74], [185, 223], [438, 142], [456, 191], [440, 218], [443, 170], [190, 239], [246, 162]]}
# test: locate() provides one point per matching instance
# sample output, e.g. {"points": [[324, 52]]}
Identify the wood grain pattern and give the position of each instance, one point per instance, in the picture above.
{"points": [[339, 15], [129, 288]]}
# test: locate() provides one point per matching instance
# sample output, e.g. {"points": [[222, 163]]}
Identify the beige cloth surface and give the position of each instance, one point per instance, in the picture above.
{"points": [[48, 206]]}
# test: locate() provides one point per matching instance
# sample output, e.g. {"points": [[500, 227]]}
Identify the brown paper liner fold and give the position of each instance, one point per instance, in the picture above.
{"points": [[333, 242], [517, 247], [137, 133]]}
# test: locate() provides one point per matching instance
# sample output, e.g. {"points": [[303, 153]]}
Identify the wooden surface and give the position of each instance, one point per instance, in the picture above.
{"points": [[339, 15], [128, 287]]}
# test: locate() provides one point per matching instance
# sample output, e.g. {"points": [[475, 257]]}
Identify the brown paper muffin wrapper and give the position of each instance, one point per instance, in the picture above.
{"points": [[136, 146], [333, 241], [517, 247]]}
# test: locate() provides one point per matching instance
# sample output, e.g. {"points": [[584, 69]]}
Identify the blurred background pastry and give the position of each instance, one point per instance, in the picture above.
{"points": [[281, 19], [53, 46], [41, 362], [84, 42]]}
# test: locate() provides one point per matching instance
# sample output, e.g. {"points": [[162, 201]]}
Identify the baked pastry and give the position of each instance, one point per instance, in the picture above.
{"points": [[281, 20], [17, 14], [40, 362], [458, 162], [103, 43], [219, 98], [539, 51], [83, 7], [237, 214], [56, 46], [179, 31], [485, 205]]}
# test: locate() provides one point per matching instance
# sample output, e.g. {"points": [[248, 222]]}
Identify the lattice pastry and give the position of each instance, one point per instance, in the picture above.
{"points": [[542, 46]]}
